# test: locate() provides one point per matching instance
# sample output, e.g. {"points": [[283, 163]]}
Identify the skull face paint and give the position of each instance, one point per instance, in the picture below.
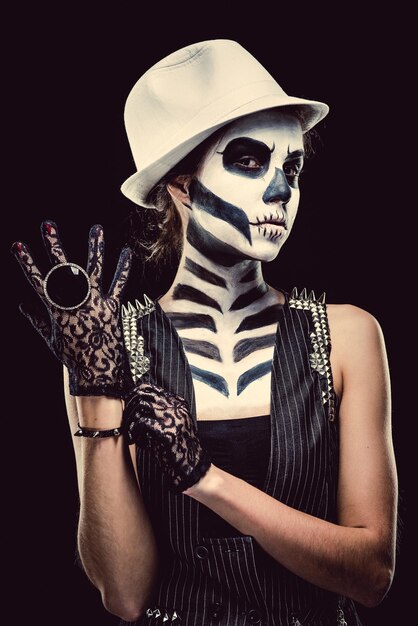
{"points": [[245, 193]]}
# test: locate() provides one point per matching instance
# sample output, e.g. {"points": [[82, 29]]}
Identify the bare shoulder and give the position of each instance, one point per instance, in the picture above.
{"points": [[347, 321], [355, 333]]}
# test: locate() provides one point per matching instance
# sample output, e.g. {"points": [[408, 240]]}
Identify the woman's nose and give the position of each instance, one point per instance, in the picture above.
{"points": [[278, 189]]}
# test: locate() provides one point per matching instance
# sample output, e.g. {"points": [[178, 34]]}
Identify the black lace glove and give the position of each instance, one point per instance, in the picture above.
{"points": [[87, 339], [161, 420]]}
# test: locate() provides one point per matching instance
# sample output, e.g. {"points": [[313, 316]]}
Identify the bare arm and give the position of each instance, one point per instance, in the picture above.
{"points": [[115, 539], [356, 556]]}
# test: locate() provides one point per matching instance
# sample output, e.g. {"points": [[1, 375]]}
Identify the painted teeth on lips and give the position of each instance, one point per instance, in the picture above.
{"points": [[276, 221]]}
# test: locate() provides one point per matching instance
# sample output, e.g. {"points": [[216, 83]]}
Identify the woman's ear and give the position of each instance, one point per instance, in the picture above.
{"points": [[178, 188]]}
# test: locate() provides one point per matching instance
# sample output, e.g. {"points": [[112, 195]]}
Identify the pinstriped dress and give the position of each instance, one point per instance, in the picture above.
{"points": [[231, 581]]}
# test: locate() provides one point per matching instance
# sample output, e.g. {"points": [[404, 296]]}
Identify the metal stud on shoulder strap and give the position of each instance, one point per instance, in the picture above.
{"points": [[304, 301], [138, 309], [139, 363]]}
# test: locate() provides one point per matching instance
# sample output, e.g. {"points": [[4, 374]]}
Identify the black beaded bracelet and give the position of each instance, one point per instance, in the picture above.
{"points": [[97, 434]]}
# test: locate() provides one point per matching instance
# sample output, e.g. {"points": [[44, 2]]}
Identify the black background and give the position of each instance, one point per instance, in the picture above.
{"points": [[65, 79]]}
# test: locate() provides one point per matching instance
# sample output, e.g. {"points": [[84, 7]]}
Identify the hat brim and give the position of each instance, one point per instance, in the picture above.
{"points": [[138, 186]]}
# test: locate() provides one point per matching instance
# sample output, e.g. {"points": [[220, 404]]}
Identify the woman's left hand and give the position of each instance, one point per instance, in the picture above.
{"points": [[161, 420]]}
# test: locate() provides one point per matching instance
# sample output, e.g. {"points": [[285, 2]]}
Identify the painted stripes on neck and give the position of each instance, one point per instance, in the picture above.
{"points": [[249, 297], [186, 292], [249, 276], [192, 320], [204, 274], [268, 316]]}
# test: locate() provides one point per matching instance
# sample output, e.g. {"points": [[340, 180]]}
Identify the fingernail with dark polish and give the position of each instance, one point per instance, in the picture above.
{"points": [[48, 227], [18, 246]]}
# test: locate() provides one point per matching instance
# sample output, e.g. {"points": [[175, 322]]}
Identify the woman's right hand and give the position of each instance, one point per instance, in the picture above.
{"points": [[161, 420], [87, 338]]}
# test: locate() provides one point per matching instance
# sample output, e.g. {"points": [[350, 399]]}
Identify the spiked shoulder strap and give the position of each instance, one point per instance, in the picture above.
{"points": [[320, 341], [139, 363]]}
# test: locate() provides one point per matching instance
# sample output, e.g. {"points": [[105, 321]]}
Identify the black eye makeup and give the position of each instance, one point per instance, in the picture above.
{"points": [[247, 157], [292, 168]]}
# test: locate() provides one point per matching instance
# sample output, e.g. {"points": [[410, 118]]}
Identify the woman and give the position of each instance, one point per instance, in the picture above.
{"points": [[265, 463]]}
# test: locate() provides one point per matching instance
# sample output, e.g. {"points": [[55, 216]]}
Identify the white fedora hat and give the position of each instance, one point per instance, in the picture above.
{"points": [[186, 96]]}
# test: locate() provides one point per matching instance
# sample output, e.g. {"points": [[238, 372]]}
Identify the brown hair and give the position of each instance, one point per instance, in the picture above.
{"points": [[156, 234]]}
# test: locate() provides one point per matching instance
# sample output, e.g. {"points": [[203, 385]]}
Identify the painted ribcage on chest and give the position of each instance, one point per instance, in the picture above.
{"points": [[229, 352]]}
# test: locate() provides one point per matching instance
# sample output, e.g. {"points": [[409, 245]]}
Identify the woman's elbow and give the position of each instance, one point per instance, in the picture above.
{"points": [[377, 588], [129, 604], [127, 610]]}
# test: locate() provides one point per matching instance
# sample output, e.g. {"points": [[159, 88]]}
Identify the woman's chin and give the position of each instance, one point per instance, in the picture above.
{"points": [[265, 251]]}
